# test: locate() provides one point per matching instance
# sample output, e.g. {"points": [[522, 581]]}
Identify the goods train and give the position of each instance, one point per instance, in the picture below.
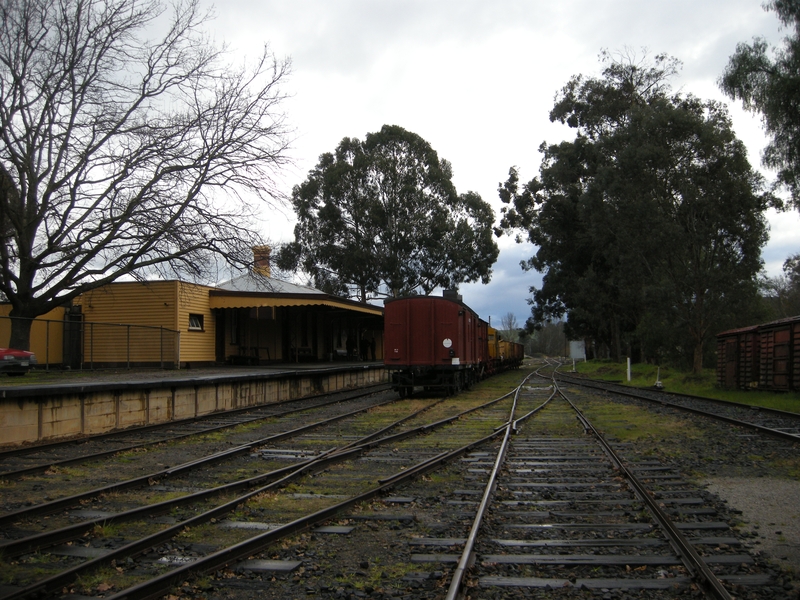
{"points": [[440, 343]]}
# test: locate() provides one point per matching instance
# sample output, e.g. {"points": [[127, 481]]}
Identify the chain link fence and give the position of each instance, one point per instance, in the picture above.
{"points": [[77, 344]]}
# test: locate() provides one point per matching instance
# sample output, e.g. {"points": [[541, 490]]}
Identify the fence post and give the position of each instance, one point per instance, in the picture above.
{"points": [[81, 349], [128, 346], [47, 346], [91, 346], [161, 340]]}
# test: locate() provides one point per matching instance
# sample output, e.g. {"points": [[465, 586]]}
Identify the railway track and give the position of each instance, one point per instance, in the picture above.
{"points": [[38, 458], [568, 514], [131, 525], [382, 504], [777, 423]]}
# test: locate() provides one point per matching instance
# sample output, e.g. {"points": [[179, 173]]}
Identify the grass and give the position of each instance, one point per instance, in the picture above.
{"points": [[633, 424], [105, 530], [704, 384], [380, 575], [103, 580]]}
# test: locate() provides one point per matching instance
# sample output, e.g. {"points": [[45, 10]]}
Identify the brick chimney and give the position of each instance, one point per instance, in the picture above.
{"points": [[261, 260]]}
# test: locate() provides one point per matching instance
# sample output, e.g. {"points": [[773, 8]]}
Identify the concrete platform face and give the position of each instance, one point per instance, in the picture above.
{"points": [[54, 405]]}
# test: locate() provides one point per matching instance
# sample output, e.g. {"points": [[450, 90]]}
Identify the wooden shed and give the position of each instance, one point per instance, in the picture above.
{"points": [[765, 356], [152, 322]]}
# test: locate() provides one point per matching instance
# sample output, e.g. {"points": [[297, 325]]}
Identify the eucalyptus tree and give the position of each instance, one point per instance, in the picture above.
{"points": [[652, 214], [381, 217], [130, 145], [767, 81]]}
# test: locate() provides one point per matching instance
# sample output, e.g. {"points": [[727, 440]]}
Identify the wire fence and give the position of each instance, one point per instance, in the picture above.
{"points": [[77, 344]]}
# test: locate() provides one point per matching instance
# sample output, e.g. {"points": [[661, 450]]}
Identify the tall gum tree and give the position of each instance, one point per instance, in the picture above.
{"points": [[381, 217], [116, 148], [767, 82], [651, 215]]}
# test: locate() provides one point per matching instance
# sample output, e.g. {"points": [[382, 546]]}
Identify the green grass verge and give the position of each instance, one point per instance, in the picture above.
{"points": [[705, 384]]}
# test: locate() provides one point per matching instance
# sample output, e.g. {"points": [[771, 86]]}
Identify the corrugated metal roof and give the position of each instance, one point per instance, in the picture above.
{"points": [[253, 282], [223, 299], [253, 290]]}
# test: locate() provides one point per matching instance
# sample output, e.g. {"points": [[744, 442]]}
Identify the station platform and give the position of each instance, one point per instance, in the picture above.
{"points": [[44, 405], [55, 380]]}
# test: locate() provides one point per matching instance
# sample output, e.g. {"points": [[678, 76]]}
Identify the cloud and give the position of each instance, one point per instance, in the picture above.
{"points": [[477, 80], [509, 288]]}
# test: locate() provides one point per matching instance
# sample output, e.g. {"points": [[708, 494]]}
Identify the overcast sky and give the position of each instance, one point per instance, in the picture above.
{"points": [[476, 79]]}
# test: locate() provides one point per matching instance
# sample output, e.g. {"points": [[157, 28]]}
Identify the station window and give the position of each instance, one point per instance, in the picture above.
{"points": [[195, 322]]}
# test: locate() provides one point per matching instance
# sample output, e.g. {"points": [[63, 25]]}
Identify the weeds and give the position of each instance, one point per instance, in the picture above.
{"points": [[705, 384]]}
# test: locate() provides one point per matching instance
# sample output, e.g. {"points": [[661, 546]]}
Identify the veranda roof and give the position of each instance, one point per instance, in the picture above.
{"points": [[256, 291]]}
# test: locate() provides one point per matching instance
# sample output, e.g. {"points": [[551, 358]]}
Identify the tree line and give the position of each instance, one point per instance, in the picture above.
{"points": [[128, 155], [649, 224]]}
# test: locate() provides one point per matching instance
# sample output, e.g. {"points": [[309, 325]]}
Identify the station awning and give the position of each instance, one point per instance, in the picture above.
{"points": [[224, 299]]}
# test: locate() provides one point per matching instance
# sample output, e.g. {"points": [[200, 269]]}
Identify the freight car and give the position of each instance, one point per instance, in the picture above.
{"points": [[434, 342], [503, 354], [439, 343], [511, 354], [765, 356]]}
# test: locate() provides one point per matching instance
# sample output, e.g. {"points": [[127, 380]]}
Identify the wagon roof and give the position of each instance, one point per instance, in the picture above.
{"points": [[430, 299], [777, 323]]}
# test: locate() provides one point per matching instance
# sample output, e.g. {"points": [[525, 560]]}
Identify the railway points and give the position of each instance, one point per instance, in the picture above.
{"points": [[385, 517]]}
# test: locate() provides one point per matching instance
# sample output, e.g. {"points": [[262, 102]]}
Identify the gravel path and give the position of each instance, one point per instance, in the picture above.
{"points": [[770, 511]]}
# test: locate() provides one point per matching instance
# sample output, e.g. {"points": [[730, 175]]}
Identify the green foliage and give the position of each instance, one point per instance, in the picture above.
{"points": [[649, 224], [382, 217], [767, 81], [782, 293]]}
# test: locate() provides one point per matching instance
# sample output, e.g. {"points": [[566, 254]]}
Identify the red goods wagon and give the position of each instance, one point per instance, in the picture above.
{"points": [[738, 358], [484, 356], [516, 354], [765, 356], [779, 364], [435, 342]]}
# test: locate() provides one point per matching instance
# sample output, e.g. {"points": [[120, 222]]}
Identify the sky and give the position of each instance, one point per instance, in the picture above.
{"points": [[477, 79]]}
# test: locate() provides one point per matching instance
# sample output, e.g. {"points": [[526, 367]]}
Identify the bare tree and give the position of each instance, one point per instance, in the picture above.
{"points": [[122, 156], [508, 324]]}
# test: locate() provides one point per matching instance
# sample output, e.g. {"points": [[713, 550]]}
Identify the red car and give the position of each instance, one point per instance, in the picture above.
{"points": [[16, 362]]}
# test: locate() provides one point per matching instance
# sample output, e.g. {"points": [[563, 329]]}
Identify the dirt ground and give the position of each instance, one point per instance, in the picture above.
{"points": [[770, 511]]}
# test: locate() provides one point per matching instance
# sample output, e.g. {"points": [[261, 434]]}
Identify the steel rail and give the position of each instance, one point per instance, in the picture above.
{"points": [[160, 585], [70, 461], [149, 479], [71, 532], [57, 581], [764, 409], [746, 424], [690, 558], [468, 555]]}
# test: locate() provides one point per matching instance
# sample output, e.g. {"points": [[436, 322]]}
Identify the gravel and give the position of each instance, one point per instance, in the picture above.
{"points": [[770, 508]]}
